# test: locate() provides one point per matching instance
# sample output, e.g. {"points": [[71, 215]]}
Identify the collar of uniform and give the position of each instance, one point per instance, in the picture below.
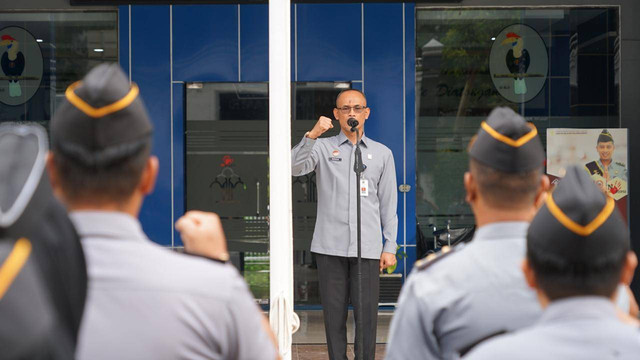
{"points": [[342, 138], [107, 224], [579, 306], [601, 165], [502, 230]]}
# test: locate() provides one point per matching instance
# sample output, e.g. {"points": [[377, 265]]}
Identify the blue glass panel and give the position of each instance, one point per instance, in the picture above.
{"points": [[410, 126], [560, 97], [539, 105], [559, 54], [150, 69], [123, 37], [254, 43], [383, 74], [205, 42], [592, 81], [329, 42]]}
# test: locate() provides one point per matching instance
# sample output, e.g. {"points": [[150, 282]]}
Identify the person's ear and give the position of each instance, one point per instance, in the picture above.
{"points": [[471, 187], [367, 112], [629, 267], [529, 274], [336, 112], [543, 191], [149, 175]]}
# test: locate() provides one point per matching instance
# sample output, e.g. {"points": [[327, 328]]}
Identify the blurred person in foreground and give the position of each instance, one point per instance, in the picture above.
{"points": [[43, 278], [144, 301], [578, 252]]}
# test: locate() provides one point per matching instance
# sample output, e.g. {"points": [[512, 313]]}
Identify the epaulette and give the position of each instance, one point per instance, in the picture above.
{"points": [[619, 163], [433, 258]]}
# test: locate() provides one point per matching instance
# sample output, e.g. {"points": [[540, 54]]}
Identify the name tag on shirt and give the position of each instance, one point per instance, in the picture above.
{"points": [[333, 158], [364, 187]]}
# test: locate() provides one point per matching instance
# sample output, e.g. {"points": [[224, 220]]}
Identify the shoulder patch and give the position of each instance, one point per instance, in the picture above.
{"points": [[433, 258], [593, 168]]}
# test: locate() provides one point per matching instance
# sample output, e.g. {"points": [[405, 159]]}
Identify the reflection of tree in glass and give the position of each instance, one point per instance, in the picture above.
{"points": [[465, 59], [456, 93], [456, 72]]}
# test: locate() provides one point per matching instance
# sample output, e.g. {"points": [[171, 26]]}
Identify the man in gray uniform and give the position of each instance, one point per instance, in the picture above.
{"points": [[144, 301], [577, 253], [334, 238], [451, 302]]}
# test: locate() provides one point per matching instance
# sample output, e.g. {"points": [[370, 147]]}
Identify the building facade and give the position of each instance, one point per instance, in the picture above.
{"points": [[426, 68]]}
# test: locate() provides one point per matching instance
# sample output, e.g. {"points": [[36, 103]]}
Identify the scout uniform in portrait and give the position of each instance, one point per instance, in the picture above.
{"points": [[578, 251], [473, 291]]}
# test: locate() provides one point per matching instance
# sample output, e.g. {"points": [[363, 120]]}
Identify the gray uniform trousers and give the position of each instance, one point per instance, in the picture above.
{"points": [[338, 284]]}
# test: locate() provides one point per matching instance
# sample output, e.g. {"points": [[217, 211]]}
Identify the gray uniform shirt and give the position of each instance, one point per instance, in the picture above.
{"points": [[147, 302], [472, 293], [335, 231], [579, 328]]}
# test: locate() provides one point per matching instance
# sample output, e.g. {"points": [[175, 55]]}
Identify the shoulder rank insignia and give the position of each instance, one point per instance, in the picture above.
{"points": [[619, 163], [435, 257]]}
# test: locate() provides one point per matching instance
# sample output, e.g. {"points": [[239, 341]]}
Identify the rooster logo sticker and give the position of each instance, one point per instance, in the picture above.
{"points": [[20, 64], [518, 63]]}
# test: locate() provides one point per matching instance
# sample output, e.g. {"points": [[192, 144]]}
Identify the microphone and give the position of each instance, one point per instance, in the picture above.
{"points": [[352, 122]]}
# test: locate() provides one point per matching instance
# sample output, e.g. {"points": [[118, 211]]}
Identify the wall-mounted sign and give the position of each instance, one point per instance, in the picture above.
{"points": [[602, 152], [20, 65], [518, 63]]}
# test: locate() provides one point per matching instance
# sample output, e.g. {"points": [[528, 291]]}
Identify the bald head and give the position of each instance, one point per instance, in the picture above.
{"points": [[348, 91]]}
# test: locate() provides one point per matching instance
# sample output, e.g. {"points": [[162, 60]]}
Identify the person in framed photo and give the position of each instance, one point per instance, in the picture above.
{"points": [[605, 166]]}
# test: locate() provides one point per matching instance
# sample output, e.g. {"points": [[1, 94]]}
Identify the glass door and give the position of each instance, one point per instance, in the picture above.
{"points": [[227, 167]]}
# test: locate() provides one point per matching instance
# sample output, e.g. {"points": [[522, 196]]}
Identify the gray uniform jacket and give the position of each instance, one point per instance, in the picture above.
{"points": [[335, 231], [147, 302], [465, 296], [580, 328]]}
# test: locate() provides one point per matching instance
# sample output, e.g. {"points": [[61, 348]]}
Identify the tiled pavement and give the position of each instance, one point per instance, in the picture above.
{"points": [[312, 327], [319, 352], [310, 342]]}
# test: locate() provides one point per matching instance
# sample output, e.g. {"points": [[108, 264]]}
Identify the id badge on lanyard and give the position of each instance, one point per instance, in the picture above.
{"points": [[364, 187]]}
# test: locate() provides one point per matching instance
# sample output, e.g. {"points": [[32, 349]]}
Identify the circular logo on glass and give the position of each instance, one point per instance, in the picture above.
{"points": [[518, 63], [20, 65]]}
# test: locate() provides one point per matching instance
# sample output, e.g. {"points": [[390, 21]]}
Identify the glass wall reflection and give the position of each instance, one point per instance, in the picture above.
{"points": [[463, 71], [227, 167], [44, 52]]}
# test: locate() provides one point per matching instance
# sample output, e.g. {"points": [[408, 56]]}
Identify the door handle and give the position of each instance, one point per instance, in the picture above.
{"points": [[257, 197]]}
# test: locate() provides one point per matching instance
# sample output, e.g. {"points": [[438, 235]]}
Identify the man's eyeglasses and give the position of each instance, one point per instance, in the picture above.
{"points": [[356, 109]]}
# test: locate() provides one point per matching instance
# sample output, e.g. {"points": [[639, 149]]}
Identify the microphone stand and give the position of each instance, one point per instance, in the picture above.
{"points": [[358, 167]]}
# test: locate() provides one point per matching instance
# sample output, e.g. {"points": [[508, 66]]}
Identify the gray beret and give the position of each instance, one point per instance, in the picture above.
{"points": [[506, 142], [102, 119], [578, 222]]}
